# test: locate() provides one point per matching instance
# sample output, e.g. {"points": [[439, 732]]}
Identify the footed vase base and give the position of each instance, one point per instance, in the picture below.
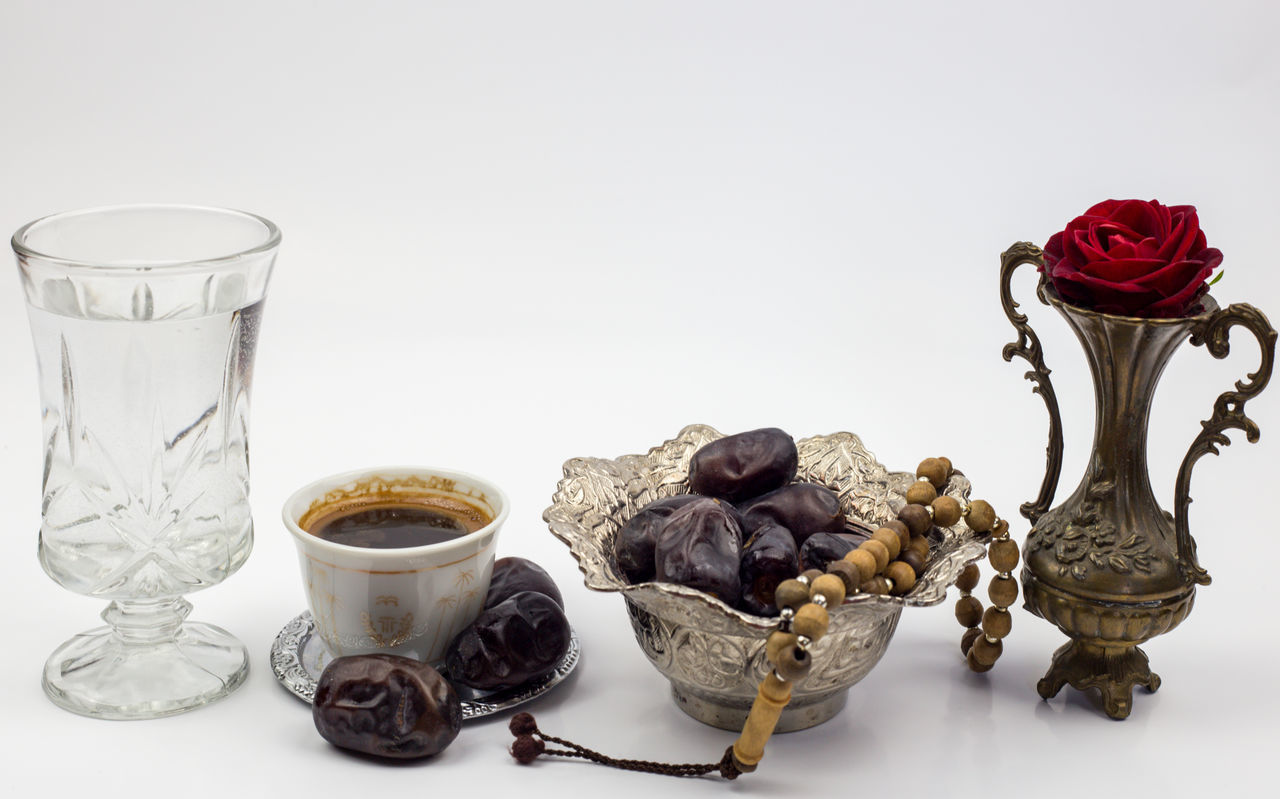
{"points": [[98, 674], [1114, 671]]}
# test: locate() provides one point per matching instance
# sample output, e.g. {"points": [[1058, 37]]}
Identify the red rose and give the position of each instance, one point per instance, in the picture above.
{"points": [[1132, 258]]}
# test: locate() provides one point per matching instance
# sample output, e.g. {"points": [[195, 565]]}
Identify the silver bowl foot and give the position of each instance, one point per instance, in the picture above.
{"points": [[799, 715]]}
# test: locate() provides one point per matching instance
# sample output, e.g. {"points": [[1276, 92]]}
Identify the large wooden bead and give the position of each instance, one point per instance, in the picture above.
{"points": [[879, 551], [968, 579], [916, 518], [984, 651], [848, 574], [981, 517], [912, 558], [793, 664], [996, 622], [1003, 555], [864, 561], [903, 531], [921, 492], [1003, 591], [946, 511], [972, 659], [935, 470], [790, 594], [876, 585], [919, 544], [902, 575], [776, 642], [890, 540], [830, 587], [966, 640], [968, 611], [811, 621]]}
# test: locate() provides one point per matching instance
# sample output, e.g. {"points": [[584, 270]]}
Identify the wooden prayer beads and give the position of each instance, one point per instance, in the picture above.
{"points": [[983, 645], [983, 639], [802, 604], [894, 557]]}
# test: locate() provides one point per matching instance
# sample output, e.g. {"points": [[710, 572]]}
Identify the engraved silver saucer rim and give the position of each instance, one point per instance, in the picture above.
{"points": [[287, 663]]}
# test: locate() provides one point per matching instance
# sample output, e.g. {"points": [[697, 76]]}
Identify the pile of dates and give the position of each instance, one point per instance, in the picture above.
{"points": [[744, 528], [397, 707], [521, 634]]}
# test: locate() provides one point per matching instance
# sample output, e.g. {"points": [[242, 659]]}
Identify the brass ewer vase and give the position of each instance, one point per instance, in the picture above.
{"points": [[1108, 566]]}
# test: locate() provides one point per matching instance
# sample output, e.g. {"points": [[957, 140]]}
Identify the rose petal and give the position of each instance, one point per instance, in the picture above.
{"points": [[1120, 248], [1116, 298], [1074, 293], [1142, 218], [1105, 235], [1181, 238], [1103, 208], [1052, 252], [1080, 247], [1211, 256], [1086, 253], [1188, 212], [1099, 285], [1180, 304], [1121, 270], [1173, 278]]}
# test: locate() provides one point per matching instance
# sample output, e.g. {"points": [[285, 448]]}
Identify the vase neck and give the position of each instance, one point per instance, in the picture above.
{"points": [[1126, 358]]}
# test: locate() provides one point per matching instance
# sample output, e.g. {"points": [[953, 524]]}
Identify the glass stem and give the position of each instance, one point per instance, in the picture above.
{"points": [[146, 622]]}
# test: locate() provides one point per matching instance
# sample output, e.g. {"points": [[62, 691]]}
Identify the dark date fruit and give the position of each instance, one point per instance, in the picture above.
{"points": [[860, 530], [820, 549], [386, 705], [767, 559], [518, 639], [699, 547], [744, 465], [513, 575], [633, 546], [802, 508]]}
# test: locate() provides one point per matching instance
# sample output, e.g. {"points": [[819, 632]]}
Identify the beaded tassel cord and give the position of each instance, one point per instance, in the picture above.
{"points": [[889, 562], [531, 742]]}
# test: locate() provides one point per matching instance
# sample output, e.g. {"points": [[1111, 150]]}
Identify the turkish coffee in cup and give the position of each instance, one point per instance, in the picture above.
{"points": [[395, 559]]}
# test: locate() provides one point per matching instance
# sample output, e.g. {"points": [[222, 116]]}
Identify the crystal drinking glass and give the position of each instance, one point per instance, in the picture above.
{"points": [[145, 320]]}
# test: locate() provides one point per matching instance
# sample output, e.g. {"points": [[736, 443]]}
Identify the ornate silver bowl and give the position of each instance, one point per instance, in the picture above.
{"points": [[712, 654]]}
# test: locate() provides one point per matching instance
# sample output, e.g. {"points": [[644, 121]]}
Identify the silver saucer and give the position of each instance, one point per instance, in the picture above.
{"points": [[298, 658]]}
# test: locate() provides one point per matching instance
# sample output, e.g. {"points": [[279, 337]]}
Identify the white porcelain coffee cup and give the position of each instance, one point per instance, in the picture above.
{"points": [[405, 601]]}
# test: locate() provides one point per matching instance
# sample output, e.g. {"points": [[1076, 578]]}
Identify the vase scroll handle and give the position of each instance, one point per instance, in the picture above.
{"points": [[1027, 347], [1228, 413]]}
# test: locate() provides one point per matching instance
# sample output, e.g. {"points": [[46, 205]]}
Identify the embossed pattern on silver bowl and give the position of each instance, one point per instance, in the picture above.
{"points": [[712, 654]]}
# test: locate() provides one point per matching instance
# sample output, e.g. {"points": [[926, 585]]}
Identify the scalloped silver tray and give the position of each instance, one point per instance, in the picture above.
{"points": [[298, 657]]}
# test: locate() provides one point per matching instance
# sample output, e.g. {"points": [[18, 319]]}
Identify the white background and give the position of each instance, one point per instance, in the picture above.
{"points": [[520, 232]]}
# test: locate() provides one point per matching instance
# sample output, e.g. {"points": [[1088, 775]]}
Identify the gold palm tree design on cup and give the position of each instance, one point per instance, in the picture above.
{"points": [[445, 604], [324, 600]]}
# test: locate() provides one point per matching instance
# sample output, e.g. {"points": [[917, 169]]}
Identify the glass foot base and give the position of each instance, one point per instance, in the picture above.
{"points": [[97, 674]]}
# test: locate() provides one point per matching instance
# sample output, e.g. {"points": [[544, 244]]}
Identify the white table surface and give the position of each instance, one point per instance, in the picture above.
{"points": [[520, 232]]}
